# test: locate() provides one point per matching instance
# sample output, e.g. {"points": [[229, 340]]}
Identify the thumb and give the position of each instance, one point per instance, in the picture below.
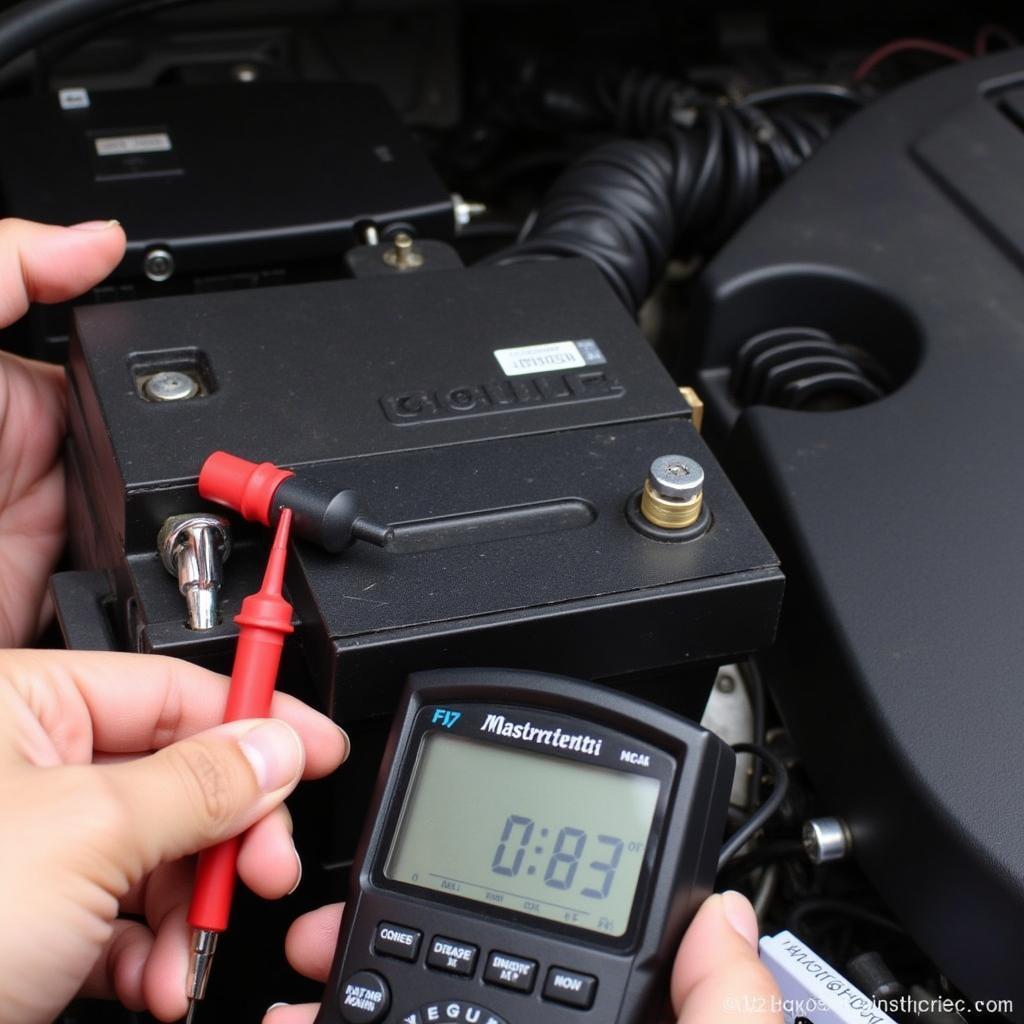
{"points": [[717, 975], [199, 791]]}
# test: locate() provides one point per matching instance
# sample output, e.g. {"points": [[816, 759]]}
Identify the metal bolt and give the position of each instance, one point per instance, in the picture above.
{"points": [[676, 477], [171, 386], [403, 255], [465, 210], [673, 492], [725, 683], [370, 235], [158, 265], [826, 839], [194, 548]]}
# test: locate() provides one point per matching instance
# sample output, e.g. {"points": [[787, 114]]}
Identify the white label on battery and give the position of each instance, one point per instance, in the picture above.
{"points": [[124, 145], [555, 355], [73, 99]]}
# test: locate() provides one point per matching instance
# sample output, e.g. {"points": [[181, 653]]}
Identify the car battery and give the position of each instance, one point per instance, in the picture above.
{"points": [[501, 420]]}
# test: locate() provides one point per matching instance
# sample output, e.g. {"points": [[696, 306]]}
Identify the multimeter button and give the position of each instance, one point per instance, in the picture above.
{"points": [[450, 1011], [364, 998], [396, 940], [510, 971], [451, 955], [568, 987], [412, 1017]]}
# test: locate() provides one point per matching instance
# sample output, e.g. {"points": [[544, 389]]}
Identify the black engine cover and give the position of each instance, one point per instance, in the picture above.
{"points": [[899, 521]]}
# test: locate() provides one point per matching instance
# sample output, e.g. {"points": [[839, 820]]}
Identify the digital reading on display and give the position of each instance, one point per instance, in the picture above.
{"points": [[528, 832]]}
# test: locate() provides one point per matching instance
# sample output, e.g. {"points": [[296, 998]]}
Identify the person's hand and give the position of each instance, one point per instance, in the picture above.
{"points": [[38, 263], [717, 977], [94, 825]]}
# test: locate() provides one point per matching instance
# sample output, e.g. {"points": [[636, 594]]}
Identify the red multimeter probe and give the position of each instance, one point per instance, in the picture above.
{"points": [[264, 621]]}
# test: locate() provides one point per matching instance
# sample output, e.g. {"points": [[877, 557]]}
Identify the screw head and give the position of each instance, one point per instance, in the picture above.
{"points": [[171, 386], [158, 265], [676, 477], [725, 683]]}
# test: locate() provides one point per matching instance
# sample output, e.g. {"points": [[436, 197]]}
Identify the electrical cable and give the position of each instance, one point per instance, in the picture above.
{"points": [[823, 905], [767, 810], [753, 683], [802, 91], [765, 890], [883, 53], [769, 852], [25, 26], [986, 34]]}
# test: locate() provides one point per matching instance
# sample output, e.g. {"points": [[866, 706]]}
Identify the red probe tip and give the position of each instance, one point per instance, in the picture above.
{"points": [[273, 579]]}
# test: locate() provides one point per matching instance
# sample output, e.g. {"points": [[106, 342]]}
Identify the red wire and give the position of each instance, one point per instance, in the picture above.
{"points": [[883, 53], [985, 34]]}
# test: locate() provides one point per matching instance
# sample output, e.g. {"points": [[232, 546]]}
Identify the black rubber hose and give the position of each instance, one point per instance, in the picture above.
{"points": [[630, 205], [687, 171], [25, 26]]}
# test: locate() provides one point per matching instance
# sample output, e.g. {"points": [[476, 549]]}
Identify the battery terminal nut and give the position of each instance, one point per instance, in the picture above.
{"points": [[673, 494], [194, 548]]}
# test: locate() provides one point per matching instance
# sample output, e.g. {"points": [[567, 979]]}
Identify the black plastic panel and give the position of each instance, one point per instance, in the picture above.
{"points": [[256, 174], [899, 521]]}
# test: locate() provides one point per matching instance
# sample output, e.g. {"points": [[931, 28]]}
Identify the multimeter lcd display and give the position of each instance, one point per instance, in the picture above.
{"points": [[528, 832]]}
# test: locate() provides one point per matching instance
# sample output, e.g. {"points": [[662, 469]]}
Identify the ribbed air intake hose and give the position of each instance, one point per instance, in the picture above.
{"points": [[630, 205]]}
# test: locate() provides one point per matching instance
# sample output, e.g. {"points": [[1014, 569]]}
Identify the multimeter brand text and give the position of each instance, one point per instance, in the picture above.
{"points": [[579, 742]]}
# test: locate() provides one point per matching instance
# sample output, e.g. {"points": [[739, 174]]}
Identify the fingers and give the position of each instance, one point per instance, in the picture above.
{"points": [[117, 973], [165, 979], [311, 941], [282, 1013], [191, 795], [134, 703], [268, 862], [43, 263], [717, 977]]}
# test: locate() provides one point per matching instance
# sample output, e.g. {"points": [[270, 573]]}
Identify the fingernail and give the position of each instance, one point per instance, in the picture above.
{"points": [[346, 741], [740, 915], [298, 860], [275, 752], [96, 225], [274, 1006]]}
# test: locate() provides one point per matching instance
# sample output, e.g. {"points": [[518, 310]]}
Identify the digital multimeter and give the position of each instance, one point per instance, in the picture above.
{"points": [[536, 847]]}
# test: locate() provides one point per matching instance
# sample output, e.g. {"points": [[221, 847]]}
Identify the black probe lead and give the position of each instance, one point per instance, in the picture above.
{"points": [[758, 818]]}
